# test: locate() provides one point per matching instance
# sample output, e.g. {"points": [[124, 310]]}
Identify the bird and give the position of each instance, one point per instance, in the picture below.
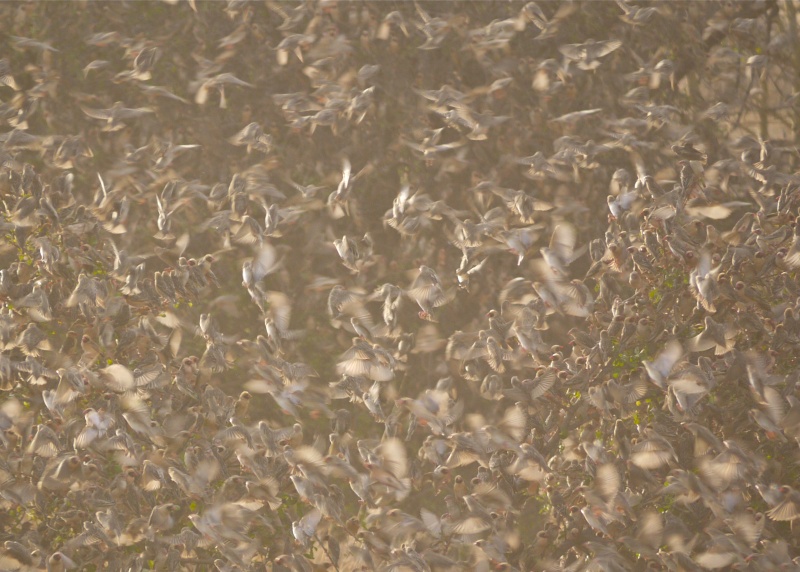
{"points": [[427, 291], [588, 54], [218, 82], [115, 116], [660, 368], [561, 252], [252, 137]]}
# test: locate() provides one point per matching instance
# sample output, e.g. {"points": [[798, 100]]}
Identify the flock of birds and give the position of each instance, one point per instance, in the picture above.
{"points": [[334, 286]]}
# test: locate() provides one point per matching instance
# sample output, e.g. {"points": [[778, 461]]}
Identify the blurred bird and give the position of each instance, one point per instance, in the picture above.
{"points": [[252, 137], [427, 291], [561, 251], [115, 116], [589, 53], [218, 82]]}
